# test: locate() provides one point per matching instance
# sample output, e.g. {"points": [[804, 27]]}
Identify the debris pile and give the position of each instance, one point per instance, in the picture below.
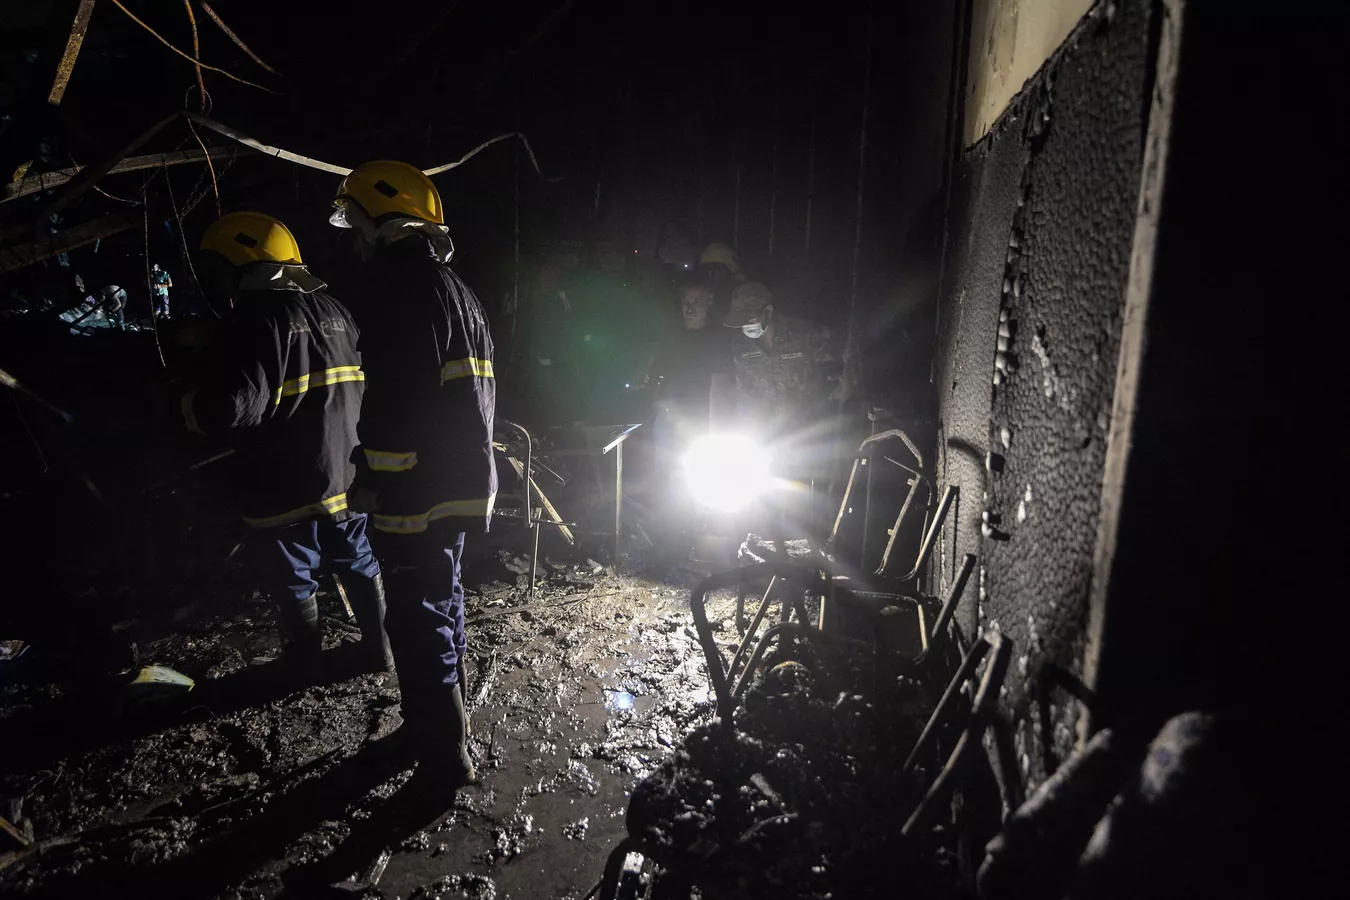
{"points": [[801, 798]]}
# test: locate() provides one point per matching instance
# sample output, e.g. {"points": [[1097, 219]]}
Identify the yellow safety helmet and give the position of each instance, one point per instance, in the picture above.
{"points": [[389, 188], [249, 237], [720, 254]]}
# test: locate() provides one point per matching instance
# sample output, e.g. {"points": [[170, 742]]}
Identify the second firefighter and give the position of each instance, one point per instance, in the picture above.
{"points": [[425, 463]]}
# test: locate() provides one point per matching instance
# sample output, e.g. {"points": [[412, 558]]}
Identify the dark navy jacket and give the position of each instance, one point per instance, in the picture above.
{"points": [[431, 394], [286, 385]]}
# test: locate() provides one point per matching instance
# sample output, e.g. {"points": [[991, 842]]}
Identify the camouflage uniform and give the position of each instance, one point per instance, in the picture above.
{"points": [[785, 387]]}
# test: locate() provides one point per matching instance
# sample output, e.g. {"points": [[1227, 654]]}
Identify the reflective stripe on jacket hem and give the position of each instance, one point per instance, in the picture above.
{"points": [[477, 508], [189, 413], [334, 504], [335, 375], [385, 461], [463, 368]]}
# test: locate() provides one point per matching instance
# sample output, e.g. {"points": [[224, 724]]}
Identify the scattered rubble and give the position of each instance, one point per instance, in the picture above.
{"points": [[249, 782]]}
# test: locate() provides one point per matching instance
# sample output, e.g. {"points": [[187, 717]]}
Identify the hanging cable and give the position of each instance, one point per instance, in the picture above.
{"points": [[99, 190], [322, 166], [206, 7], [488, 143], [207, 102], [196, 53], [247, 141], [196, 62], [187, 256], [215, 185], [149, 285], [202, 189]]}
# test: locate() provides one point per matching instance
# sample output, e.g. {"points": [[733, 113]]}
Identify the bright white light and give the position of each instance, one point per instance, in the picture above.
{"points": [[726, 471]]}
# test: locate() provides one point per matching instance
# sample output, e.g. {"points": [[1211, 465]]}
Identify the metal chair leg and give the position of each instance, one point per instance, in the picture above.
{"points": [[812, 579], [937, 639], [948, 701], [968, 744], [749, 634]]}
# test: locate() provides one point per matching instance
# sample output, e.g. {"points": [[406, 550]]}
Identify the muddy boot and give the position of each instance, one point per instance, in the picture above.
{"points": [[304, 639], [366, 596], [461, 763], [443, 764]]}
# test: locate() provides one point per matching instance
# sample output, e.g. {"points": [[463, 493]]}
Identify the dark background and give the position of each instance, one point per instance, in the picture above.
{"points": [[646, 114]]}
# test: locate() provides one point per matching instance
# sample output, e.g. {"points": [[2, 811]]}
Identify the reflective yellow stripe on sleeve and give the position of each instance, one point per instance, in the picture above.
{"points": [[477, 508], [190, 412], [335, 375], [335, 504], [384, 461], [463, 368]]}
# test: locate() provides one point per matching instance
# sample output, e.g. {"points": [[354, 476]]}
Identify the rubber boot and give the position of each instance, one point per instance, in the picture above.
{"points": [[304, 639], [460, 763], [443, 763], [366, 596]]}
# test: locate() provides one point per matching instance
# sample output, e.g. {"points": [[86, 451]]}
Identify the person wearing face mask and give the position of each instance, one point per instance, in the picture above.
{"points": [[786, 373], [285, 385], [425, 462], [784, 367]]}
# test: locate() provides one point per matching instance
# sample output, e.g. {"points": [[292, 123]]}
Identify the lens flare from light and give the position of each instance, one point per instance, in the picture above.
{"points": [[726, 472]]}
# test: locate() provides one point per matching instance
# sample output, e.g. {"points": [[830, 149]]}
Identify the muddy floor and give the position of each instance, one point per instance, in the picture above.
{"points": [[251, 786]]}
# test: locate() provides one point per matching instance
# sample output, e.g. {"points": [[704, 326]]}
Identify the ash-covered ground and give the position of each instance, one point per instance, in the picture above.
{"points": [[251, 786]]}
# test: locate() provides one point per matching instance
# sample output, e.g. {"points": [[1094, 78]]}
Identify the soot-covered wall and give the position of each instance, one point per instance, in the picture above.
{"points": [[1041, 221]]}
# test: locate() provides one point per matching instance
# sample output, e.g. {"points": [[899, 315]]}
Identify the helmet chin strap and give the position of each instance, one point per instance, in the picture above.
{"points": [[393, 230]]}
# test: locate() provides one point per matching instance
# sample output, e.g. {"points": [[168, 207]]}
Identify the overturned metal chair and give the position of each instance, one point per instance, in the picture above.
{"points": [[900, 644], [881, 585], [728, 681], [740, 855]]}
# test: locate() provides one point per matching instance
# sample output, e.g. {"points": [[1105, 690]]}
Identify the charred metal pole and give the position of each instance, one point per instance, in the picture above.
{"points": [[9, 381], [72, 52]]}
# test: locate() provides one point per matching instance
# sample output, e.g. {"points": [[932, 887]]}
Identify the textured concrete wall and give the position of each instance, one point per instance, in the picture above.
{"points": [[1042, 219]]}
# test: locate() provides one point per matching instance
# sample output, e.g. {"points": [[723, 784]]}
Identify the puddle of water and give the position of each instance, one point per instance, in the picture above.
{"points": [[618, 700]]}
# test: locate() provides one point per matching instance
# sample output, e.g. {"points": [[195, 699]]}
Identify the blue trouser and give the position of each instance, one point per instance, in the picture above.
{"points": [[425, 620], [293, 554]]}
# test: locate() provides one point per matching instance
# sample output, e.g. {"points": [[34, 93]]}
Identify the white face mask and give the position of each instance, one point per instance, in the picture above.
{"points": [[755, 330]]}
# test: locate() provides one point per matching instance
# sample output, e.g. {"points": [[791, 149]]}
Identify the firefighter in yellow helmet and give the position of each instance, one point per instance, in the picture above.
{"points": [[425, 465], [285, 386]]}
